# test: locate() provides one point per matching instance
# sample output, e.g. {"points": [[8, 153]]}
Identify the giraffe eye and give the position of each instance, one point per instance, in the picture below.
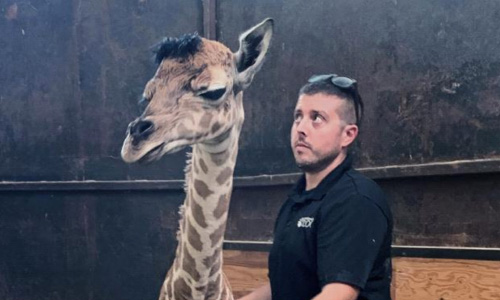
{"points": [[213, 94]]}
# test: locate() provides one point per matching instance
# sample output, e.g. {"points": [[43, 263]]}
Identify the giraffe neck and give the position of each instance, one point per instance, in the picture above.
{"points": [[198, 264]]}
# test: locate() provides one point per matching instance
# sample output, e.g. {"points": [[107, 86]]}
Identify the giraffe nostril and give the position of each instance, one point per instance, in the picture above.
{"points": [[141, 129]]}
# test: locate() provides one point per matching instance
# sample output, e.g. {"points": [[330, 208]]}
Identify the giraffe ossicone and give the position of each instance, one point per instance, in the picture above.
{"points": [[195, 99]]}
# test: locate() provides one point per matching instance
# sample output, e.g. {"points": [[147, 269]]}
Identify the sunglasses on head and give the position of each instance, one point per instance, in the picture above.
{"points": [[345, 84]]}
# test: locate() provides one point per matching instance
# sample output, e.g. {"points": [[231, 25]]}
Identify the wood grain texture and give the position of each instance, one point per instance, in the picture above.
{"points": [[443, 279], [413, 278], [246, 270]]}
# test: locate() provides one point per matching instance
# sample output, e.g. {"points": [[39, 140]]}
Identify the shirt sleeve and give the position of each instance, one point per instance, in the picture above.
{"points": [[350, 235]]}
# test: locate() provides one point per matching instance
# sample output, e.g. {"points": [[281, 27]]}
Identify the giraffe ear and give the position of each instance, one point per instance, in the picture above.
{"points": [[253, 48]]}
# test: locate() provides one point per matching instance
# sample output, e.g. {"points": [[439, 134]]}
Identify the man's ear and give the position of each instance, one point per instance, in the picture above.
{"points": [[253, 48], [349, 134]]}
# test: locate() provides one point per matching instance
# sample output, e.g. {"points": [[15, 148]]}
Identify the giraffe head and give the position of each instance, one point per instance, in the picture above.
{"points": [[195, 95]]}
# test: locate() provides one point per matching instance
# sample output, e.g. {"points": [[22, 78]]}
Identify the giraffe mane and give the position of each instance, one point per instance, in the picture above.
{"points": [[182, 47], [187, 174], [182, 209], [187, 171]]}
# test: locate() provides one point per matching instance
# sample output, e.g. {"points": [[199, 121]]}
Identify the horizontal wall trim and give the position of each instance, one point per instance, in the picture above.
{"points": [[89, 185], [447, 252], [247, 245], [469, 253], [459, 167]]}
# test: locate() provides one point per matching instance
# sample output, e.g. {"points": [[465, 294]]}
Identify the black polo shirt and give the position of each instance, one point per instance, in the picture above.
{"points": [[341, 231]]}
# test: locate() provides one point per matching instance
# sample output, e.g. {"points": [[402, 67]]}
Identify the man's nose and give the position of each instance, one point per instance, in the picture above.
{"points": [[301, 127]]}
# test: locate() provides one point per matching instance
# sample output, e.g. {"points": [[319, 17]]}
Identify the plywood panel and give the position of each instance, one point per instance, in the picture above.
{"points": [[246, 270], [443, 279], [413, 278]]}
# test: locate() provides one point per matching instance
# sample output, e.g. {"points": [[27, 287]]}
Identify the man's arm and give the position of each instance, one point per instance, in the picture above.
{"points": [[262, 293], [337, 291]]}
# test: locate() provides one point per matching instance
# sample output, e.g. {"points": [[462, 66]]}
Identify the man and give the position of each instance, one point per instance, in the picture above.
{"points": [[333, 235]]}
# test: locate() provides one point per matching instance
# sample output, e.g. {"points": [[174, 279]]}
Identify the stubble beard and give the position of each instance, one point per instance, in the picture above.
{"points": [[319, 164]]}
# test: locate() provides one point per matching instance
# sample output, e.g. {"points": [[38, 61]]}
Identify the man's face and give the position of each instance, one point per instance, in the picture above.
{"points": [[318, 133]]}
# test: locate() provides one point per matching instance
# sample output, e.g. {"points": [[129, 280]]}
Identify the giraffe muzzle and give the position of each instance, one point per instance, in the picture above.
{"points": [[140, 130]]}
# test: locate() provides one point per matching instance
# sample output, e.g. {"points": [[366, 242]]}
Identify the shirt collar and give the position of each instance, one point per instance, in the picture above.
{"points": [[298, 193]]}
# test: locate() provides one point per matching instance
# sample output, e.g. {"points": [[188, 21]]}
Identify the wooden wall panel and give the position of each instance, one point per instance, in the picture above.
{"points": [[67, 246], [71, 75], [413, 278], [72, 72], [427, 70], [446, 279], [453, 211], [246, 270]]}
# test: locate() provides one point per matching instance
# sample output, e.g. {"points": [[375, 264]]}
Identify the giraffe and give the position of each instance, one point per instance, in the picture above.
{"points": [[195, 99]]}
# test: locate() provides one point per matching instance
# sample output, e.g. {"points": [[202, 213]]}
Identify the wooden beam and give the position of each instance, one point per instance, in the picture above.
{"points": [[89, 185], [210, 19], [450, 168], [472, 253], [457, 167]]}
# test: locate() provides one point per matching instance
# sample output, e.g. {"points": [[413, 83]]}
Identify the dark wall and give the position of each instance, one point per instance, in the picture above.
{"points": [[428, 72], [434, 211], [118, 244], [71, 73], [86, 245]]}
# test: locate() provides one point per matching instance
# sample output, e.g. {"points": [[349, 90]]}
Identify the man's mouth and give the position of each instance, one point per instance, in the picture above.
{"points": [[302, 145]]}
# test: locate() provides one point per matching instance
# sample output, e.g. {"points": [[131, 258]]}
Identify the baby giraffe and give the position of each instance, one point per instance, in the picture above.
{"points": [[195, 99]]}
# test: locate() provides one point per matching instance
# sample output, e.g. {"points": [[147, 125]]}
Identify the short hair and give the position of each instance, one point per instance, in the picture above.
{"points": [[348, 111]]}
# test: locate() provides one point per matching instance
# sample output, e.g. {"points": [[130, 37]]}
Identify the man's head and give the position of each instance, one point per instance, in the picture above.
{"points": [[326, 120]]}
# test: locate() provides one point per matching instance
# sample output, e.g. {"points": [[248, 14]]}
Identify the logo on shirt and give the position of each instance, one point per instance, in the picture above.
{"points": [[305, 222]]}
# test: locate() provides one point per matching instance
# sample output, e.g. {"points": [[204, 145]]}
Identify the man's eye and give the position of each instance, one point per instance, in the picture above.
{"points": [[214, 94], [317, 118], [297, 117]]}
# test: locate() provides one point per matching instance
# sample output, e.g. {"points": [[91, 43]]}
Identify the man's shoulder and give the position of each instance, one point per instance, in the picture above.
{"points": [[353, 182], [355, 185], [364, 185]]}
